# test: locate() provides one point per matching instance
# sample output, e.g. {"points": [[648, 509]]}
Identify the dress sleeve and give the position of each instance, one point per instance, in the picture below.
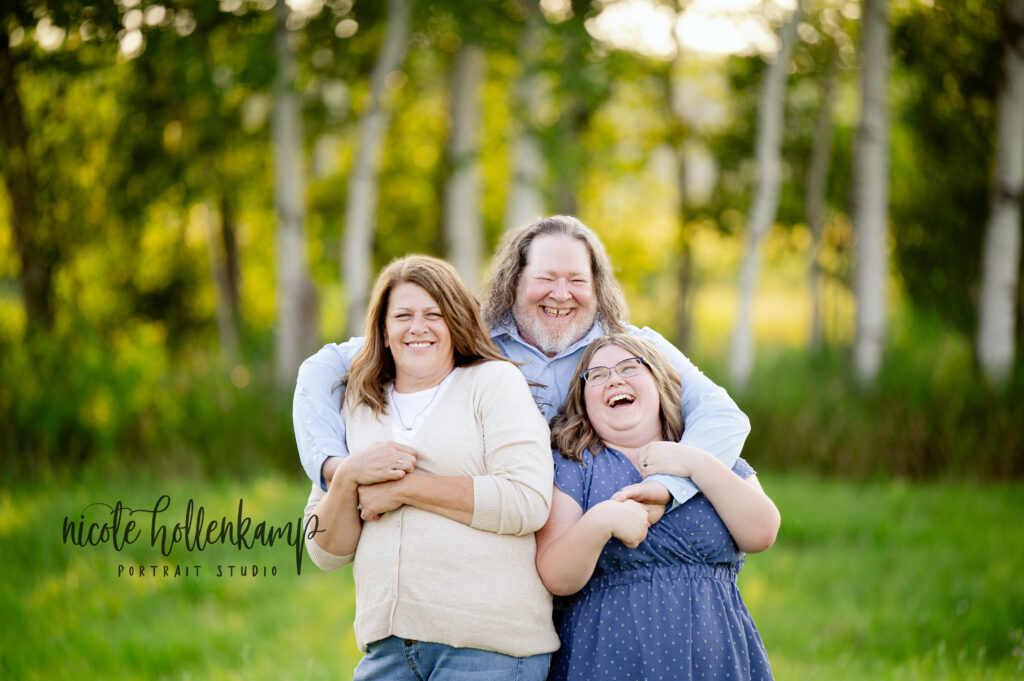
{"points": [[743, 469], [514, 496], [569, 478]]}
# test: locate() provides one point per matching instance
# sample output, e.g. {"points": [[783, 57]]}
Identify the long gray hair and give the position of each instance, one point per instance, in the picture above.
{"points": [[499, 295]]}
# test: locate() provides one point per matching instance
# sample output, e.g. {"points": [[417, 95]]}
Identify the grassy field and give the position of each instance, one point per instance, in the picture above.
{"points": [[880, 580]]}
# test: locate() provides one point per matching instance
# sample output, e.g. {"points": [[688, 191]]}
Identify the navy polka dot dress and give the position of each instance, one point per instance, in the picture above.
{"points": [[668, 609]]}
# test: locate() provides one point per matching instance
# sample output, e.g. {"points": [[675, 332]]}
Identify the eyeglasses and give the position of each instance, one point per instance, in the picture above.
{"points": [[626, 368]]}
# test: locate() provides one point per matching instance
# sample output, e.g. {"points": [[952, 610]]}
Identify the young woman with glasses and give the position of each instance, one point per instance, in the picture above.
{"points": [[653, 594]]}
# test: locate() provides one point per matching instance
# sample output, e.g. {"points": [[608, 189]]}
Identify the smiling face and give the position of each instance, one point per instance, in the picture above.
{"points": [[625, 412], [554, 305], [416, 333]]}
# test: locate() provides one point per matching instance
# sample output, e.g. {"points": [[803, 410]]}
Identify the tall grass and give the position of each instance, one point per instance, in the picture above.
{"points": [[928, 415]]}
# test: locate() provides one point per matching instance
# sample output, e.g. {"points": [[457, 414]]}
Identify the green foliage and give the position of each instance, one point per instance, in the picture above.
{"points": [[928, 416], [944, 139], [127, 401]]}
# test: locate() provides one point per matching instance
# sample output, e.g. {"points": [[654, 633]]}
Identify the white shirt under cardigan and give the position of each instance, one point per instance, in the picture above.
{"points": [[425, 577]]}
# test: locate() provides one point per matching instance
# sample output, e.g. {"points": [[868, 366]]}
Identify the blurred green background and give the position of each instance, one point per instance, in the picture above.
{"points": [[154, 306]]}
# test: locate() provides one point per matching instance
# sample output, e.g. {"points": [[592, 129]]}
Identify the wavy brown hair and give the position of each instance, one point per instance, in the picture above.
{"points": [[373, 368], [571, 430], [499, 293]]}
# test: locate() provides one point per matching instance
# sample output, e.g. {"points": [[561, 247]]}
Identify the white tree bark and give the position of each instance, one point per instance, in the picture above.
{"points": [[463, 221], [292, 334], [816, 188], [525, 201], [1002, 244], [766, 197], [871, 192], [361, 204]]}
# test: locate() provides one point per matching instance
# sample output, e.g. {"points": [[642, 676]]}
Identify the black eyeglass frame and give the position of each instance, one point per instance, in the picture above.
{"points": [[638, 358]]}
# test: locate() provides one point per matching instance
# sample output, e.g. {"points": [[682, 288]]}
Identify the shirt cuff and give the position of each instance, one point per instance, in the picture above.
{"points": [[681, 489]]}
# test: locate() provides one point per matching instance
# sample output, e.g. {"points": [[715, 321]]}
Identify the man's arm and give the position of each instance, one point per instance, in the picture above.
{"points": [[316, 407], [712, 420]]}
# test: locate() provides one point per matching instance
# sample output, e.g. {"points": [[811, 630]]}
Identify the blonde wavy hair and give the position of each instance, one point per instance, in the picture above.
{"points": [[373, 368], [571, 429], [499, 293]]}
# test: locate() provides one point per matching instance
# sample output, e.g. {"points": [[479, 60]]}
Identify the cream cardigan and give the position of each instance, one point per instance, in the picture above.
{"points": [[422, 576]]}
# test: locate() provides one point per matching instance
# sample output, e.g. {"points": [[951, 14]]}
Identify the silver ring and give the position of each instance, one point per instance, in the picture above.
{"points": [[359, 507], [398, 465]]}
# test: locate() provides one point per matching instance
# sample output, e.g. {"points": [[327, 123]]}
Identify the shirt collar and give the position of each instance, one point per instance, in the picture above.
{"points": [[508, 329]]}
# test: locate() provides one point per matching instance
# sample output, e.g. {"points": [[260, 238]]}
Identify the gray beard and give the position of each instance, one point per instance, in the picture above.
{"points": [[549, 342]]}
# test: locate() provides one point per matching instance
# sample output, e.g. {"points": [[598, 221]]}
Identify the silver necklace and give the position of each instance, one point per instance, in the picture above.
{"points": [[398, 413]]}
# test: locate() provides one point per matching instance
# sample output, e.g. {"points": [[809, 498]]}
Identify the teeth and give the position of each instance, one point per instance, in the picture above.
{"points": [[557, 312], [421, 344], [622, 397]]}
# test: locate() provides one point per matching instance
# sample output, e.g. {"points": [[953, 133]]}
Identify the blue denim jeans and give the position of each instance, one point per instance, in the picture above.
{"points": [[394, 658]]}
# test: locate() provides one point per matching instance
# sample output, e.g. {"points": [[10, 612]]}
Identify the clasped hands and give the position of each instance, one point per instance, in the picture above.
{"points": [[376, 472], [633, 509]]}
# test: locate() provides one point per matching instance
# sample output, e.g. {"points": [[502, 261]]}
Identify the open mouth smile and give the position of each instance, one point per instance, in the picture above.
{"points": [[557, 311], [620, 399], [420, 344]]}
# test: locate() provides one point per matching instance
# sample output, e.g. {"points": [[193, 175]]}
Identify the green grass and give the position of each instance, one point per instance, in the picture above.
{"points": [[875, 580], [892, 580]]}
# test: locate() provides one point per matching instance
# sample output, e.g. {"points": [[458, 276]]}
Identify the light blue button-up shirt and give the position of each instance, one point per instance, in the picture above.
{"points": [[712, 420]]}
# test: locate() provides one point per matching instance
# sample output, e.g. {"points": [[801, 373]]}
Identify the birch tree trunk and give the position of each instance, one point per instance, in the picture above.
{"points": [[676, 138], [463, 222], [686, 284], [766, 198], [1002, 244], [361, 203], [816, 188], [525, 202], [871, 192], [294, 331]]}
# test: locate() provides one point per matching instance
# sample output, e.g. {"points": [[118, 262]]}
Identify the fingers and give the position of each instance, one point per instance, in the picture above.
{"points": [[636, 492], [383, 462], [654, 512], [632, 525], [647, 492], [639, 539]]}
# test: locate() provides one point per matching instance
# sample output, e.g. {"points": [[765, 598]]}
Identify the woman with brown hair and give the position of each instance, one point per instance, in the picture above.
{"points": [[653, 594], [437, 506]]}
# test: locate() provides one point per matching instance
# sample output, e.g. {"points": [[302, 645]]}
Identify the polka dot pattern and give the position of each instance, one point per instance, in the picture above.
{"points": [[668, 609]]}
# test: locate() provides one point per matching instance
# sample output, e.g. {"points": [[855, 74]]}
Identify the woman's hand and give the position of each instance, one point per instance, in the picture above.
{"points": [[670, 458], [652, 494], [626, 520], [376, 500], [380, 462]]}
